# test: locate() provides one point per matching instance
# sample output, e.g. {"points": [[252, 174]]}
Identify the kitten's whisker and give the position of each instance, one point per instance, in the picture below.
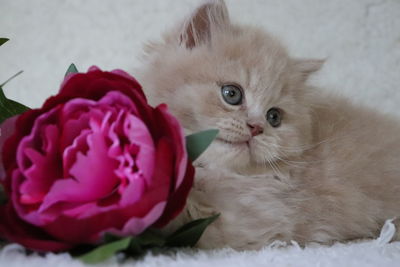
{"points": [[276, 171], [281, 149], [292, 163], [305, 147], [273, 165], [296, 164], [293, 148]]}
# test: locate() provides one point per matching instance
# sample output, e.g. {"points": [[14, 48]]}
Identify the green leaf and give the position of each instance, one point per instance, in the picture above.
{"points": [[3, 195], [108, 238], [3, 41], [12, 77], [148, 240], [135, 248], [197, 143], [145, 241], [71, 69], [9, 108], [189, 234], [186, 236], [106, 251], [151, 238]]}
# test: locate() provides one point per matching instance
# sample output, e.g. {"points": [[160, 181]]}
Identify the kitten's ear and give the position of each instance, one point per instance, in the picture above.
{"points": [[305, 67], [210, 16]]}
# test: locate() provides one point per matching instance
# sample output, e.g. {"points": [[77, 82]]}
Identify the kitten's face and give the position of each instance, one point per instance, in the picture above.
{"points": [[238, 80]]}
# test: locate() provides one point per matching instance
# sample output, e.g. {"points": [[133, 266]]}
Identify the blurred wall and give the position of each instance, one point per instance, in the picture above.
{"points": [[359, 38]]}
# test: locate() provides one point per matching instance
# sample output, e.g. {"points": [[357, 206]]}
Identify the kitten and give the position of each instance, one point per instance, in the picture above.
{"points": [[290, 162]]}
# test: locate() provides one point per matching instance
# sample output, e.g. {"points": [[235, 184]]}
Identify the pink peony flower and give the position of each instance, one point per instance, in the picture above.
{"points": [[95, 158]]}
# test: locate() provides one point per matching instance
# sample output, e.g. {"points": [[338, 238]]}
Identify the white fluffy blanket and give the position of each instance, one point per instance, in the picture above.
{"points": [[359, 38], [377, 252]]}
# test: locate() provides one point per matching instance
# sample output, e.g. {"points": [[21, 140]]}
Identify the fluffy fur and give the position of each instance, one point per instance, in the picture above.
{"points": [[329, 172]]}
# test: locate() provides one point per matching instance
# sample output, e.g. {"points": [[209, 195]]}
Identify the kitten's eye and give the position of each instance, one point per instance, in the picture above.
{"points": [[274, 117], [232, 94]]}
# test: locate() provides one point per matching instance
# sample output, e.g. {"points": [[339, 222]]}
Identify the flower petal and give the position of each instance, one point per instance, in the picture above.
{"points": [[14, 229], [93, 176], [174, 129]]}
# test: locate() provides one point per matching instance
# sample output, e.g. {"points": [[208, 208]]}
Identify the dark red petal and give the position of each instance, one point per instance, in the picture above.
{"points": [[14, 229], [172, 128], [23, 126], [94, 85], [177, 200]]}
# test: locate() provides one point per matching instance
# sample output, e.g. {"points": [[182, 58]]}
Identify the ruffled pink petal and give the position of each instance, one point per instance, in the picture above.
{"points": [[119, 101], [44, 169], [133, 194], [93, 175], [79, 145], [75, 118], [35, 140], [73, 127], [39, 166], [133, 191], [26, 212], [137, 133], [115, 149]]}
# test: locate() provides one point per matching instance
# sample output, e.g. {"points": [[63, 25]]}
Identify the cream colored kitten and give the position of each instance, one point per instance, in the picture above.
{"points": [[290, 162]]}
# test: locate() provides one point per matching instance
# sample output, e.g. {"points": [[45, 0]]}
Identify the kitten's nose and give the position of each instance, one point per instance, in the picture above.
{"points": [[255, 129]]}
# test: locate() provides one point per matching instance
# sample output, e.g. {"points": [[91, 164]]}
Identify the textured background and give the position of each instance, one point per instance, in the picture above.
{"points": [[360, 39]]}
